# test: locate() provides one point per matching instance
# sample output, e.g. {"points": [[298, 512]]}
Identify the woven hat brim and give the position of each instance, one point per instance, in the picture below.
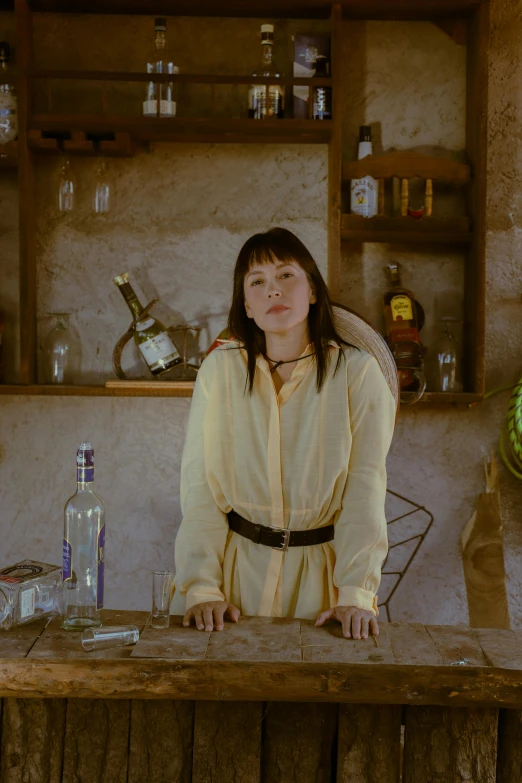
{"points": [[357, 332]]}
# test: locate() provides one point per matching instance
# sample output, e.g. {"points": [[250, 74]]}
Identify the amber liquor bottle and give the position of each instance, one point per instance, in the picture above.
{"points": [[404, 318]]}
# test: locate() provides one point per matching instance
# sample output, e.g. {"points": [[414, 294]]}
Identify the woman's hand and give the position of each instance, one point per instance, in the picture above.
{"points": [[356, 622], [208, 612]]}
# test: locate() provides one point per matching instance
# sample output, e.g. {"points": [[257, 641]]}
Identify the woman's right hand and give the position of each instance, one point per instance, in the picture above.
{"points": [[210, 612]]}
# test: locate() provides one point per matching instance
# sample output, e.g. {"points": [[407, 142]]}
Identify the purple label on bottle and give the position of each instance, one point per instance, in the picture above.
{"points": [[85, 465], [66, 560], [101, 564]]}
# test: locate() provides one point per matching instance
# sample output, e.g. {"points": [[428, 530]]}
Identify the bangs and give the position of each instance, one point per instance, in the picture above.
{"points": [[272, 247]]}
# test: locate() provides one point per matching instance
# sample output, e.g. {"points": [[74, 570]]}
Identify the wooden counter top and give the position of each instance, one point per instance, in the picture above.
{"points": [[269, 658]]}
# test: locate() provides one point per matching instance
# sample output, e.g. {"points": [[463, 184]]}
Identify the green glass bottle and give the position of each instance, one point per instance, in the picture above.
{"points": [[150, 335]]}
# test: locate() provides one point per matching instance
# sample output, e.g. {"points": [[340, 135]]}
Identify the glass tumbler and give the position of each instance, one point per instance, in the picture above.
{"points": [[66, 188], [161, 595], [447, 359], [106, 636], [62, 351]]}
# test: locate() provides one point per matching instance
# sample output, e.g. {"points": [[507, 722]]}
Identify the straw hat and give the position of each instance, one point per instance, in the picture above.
{"points": [[356, 331]]}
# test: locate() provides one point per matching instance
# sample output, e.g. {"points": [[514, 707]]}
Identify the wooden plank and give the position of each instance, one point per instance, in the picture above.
{"points": [[455, 643], [328, 645], [476, 148], [298, 742], [369, 744], [335, 158], [509, 754], [26, 753], [174, 642], [57, 390], [407, 165], [79, 144], [412, 645], [502, 648], [227, 742], [57, 643], [17, 642], [96, 740], [257, 639], [406, 225], [27, 206], [181, 78], [161, 740], [450, 745], [405, 237]]}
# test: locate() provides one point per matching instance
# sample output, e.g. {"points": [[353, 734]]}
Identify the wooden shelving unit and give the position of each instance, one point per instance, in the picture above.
{"points": [[53, 133], [133, 389]]}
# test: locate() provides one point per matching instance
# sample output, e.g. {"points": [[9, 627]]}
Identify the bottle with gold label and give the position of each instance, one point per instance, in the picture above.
{"points": [[404, 319], [150, 336]]}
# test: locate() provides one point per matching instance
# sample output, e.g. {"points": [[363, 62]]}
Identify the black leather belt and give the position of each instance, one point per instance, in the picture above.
{"points": [[278, 537]]}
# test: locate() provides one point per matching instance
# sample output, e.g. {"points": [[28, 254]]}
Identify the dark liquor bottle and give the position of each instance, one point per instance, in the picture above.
{"points": [[150, 335], [322, 94], [266, 100], [404, 319]]}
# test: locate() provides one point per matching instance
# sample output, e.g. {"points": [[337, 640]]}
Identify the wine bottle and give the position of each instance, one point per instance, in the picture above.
{"points": [[83, 549], [150, 335]]}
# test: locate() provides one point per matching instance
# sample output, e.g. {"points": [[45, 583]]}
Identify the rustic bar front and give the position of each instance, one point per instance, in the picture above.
{"points": [[268, 699]]}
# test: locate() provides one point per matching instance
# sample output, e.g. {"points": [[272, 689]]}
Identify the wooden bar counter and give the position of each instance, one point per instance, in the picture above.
{"points": [[270, 700]]}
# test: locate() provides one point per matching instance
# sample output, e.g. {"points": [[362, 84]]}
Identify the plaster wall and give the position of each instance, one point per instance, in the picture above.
{"points": [[181, 214]]}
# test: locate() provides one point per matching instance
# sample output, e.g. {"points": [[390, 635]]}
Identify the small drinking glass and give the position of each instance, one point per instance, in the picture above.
{"points": [[447, 358], [62, 351], [161, 595], [66, 189], [101, 199], [109, 636]]}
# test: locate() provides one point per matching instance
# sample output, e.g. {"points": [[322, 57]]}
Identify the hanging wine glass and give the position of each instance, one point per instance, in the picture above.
{"points": [[66, 188], [101, 199], [62, 351], [447, 360]]}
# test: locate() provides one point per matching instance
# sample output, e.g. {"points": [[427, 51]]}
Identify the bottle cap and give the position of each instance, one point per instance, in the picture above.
{"points": [[121, 279], [160, 23], [365, 133], [5, 51]]}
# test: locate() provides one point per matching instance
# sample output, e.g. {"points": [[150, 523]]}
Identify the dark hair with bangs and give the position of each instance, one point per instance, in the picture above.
{"points": [[264, 248]]}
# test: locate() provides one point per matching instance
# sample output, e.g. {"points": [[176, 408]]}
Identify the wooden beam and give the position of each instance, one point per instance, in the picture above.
{"points": [[335, 158]]}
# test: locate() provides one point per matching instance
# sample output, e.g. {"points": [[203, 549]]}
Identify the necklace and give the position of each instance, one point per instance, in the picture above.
{"points": [[288, 361]]}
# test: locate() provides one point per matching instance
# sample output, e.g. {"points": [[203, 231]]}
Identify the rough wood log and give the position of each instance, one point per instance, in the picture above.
{"points": [[161, 741], [509, 754], [450, 745], [27, 754], [227, 742], [299, 742], [96, 740], [369, 744]]}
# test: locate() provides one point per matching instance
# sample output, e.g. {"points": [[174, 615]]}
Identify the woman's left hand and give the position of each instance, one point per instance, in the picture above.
{"points": [[357, 623]]}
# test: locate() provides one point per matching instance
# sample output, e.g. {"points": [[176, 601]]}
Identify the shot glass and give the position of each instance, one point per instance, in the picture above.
{"points": [[109, 636], [161, 595]]}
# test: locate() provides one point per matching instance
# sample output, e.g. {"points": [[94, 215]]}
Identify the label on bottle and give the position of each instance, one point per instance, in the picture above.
{"points": [[101, 568], [66, 561], [85, 465], [27, 603], [167, 108], [23, 571], [144, 324], [257, 101], [401, 308], [364, 196], [157, 349]]}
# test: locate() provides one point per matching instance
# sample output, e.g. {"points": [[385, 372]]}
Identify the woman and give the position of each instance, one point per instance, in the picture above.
{"points": [[283, 476]]}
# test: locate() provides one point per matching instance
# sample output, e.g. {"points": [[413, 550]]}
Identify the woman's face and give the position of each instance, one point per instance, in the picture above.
{"points": [[281, 285]]}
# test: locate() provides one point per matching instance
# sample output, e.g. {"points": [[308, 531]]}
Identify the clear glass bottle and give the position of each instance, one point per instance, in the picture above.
{"points": [[62, 351], [447, 360], [29, 590], [8, 101], [150, 336], [364, 191], [258, 106], [83, 549], [66, 188], [160, 61], [101, 198]]}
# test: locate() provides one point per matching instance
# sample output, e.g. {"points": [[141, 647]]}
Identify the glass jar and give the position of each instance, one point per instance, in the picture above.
{"points": [[62, 351]]}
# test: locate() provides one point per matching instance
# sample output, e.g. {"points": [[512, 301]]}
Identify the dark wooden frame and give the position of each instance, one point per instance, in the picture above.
{"points": [[474, 13]]}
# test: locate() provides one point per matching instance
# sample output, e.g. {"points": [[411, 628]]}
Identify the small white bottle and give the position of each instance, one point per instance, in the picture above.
{"points": [[364, 192]]}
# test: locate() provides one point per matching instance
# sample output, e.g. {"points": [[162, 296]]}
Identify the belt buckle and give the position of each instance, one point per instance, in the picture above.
{"points": [[286, 538]]}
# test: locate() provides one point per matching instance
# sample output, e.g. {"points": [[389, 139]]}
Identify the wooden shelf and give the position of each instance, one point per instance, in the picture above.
{"points": [[276, 9], [450, 398], [407, 165], [148, 389], [404, 230], [179, 129]]}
